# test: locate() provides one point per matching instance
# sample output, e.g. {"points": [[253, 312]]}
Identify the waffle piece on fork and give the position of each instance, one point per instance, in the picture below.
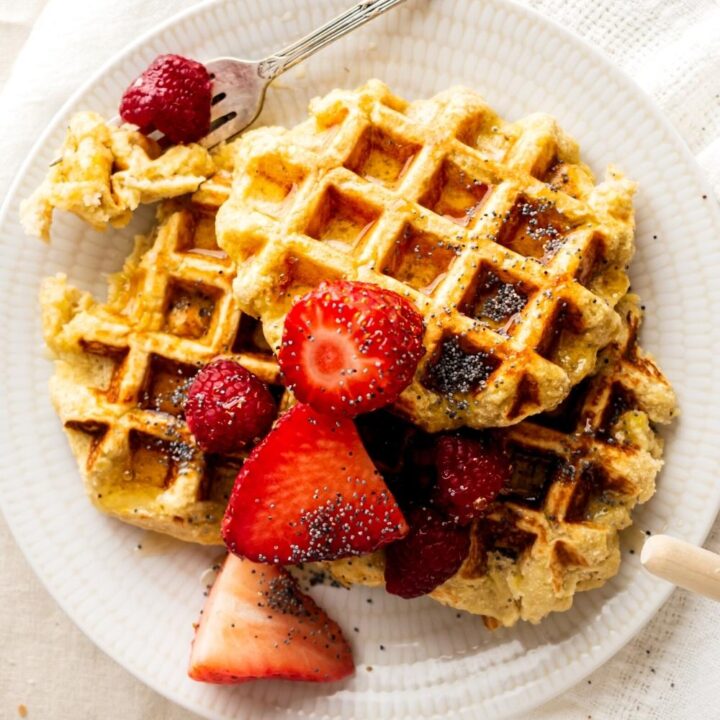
{"points": [[105, 171]]}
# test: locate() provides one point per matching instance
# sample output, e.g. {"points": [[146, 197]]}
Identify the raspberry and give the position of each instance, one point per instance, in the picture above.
{"points": [[350, 347], [227, 407], [173, 96], [432, 552], [471, 472]]}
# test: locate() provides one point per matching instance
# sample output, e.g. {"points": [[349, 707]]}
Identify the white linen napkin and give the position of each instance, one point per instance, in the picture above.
{"points": [[69, 40], [670, 47]]}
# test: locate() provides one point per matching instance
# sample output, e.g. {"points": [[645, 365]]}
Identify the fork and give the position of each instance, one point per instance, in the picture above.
{"points": [[687, 566], [239, 86]]}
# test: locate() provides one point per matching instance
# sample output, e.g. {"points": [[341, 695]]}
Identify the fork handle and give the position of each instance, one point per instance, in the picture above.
{"points": [[356, 16], [688, 566]]}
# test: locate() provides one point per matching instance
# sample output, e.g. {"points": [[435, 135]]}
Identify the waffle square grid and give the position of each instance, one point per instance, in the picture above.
{"points": [[495, 231], [125, 366]]}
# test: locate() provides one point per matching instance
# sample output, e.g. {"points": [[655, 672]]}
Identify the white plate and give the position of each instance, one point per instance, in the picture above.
{"points": [[139, 606]]}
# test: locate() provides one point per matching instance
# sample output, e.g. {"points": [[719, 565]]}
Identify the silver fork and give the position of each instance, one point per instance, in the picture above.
{"points": [[239, 85]]}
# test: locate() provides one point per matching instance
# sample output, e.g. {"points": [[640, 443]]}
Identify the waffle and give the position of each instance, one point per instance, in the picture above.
{"points": [[105, 172], [578, 472], [123, 366], [496, 231]]}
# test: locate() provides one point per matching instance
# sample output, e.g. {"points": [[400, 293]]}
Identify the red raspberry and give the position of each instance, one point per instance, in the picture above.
{"points": [[173, 96], [427, 556], [471, 472], [350, 347], [227, 407]]}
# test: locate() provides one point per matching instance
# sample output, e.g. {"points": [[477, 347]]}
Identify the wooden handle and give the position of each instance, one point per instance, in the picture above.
{"points": [[683, 564]]}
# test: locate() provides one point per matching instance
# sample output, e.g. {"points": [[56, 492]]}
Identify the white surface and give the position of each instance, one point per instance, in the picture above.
{"points": [[41, 470]]}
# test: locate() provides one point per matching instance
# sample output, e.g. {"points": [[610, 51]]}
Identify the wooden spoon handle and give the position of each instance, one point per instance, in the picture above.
{"points": [[688, 566]]}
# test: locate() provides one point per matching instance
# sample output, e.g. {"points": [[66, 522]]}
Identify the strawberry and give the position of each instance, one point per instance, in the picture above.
{"points": [[309, 491], [471, 472], [257, 624], [350, 347]]}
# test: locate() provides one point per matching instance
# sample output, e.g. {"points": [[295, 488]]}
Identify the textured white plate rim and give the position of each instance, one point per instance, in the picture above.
{"points": [[697, 534]]}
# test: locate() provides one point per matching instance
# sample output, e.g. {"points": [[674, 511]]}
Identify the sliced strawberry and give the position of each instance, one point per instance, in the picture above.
{"points": [[309, 491], [257, 624], [350, 347]]}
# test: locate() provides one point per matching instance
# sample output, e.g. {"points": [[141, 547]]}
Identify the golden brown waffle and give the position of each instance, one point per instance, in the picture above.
{"points": [[123, 367], [577, 474], [495, 231], [104, 173]]}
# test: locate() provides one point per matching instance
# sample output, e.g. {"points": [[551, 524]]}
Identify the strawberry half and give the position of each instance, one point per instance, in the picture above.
{"points": [[309, 491], [257, 624], [350, 347]]}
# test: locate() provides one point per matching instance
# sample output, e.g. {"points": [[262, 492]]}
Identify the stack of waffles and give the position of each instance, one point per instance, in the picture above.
{"points": [[499, 236]]}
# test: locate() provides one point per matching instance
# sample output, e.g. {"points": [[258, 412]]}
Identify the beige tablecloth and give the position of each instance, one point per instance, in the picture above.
{"points": [[47, 667]]}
